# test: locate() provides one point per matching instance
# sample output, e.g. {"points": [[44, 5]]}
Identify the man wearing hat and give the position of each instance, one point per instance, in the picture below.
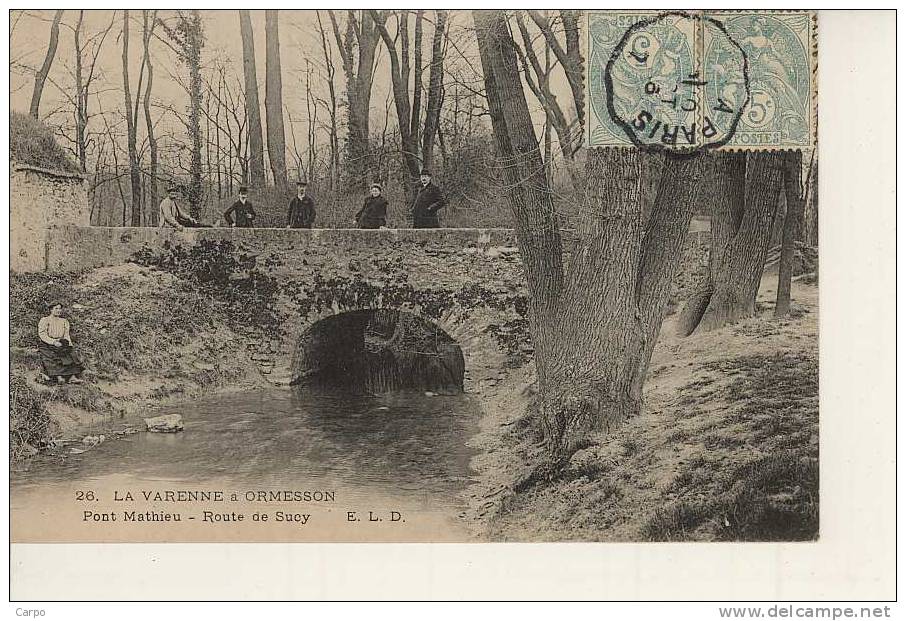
{"points": [[171, 214], [301, 209], [427, 203], [373, 214], [242, 210]]}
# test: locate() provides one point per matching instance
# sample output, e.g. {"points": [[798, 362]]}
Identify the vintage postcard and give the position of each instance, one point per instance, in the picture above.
{"points": [[449, 276], [413, 276], [438, 276]]}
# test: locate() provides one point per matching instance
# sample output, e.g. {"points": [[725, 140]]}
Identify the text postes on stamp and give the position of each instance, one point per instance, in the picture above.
{"points": [[677, 80], [781, 73]]}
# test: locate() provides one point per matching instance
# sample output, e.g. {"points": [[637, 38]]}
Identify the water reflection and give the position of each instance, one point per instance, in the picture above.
{"points": [[392, 445]]}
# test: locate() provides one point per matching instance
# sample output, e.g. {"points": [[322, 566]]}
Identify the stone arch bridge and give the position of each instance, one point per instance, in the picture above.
{"points": [[468, 283]]}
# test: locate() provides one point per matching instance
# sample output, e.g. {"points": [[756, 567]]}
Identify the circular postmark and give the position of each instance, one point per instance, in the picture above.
{"points": [[660, 95]]}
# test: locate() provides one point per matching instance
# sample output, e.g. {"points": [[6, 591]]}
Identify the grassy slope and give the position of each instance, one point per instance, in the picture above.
{"points": [[726, 448], [32, 142], [144, 336]]}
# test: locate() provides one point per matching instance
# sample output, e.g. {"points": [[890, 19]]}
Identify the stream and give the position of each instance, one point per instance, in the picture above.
{"points": [[396, 462]]}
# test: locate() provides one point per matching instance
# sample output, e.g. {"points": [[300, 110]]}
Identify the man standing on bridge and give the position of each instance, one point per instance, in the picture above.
{"points": [[301, 209], [242, 209], [373, 214], [428, 202]]}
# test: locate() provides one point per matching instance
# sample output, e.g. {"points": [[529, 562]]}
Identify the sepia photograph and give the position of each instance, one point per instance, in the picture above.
{"points": [[290, 288], [413, 276]]}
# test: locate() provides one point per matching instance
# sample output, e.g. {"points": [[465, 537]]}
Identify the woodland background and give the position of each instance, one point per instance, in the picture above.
{"points": [[216, 99]]}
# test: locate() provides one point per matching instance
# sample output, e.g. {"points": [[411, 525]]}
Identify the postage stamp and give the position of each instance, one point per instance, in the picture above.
{"points": [[688, 80]]}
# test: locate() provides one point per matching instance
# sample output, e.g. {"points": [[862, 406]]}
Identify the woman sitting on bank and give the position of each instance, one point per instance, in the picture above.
{"points": [[58, 357], [373, 215]]}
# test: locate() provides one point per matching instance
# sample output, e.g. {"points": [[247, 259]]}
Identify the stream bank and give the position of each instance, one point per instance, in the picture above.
{"points": [[146, 340], [726, 447]]}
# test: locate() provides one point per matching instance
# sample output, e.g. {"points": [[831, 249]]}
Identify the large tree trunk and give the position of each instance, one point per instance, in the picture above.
{"points": [[792, 224], [727, 195], [273, 99], [740, 240], [594, 328], [600, 337], [360, 129], [41, 76], [135, 174], [362, 35], [435, 91], [252, 105]]}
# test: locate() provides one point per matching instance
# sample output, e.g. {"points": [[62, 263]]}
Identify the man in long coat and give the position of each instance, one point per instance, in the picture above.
{"points": [[428, 202], [301, 213]]}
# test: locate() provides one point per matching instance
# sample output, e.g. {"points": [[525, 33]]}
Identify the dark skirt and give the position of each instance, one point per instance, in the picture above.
{"points": [[59, 360]]}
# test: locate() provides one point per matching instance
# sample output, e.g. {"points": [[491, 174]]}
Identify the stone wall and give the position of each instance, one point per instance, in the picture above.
{"points": [[39, 200], [74, 248]]}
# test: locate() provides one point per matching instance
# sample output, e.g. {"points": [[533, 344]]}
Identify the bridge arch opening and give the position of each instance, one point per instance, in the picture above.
{"points": [[378, 351]]}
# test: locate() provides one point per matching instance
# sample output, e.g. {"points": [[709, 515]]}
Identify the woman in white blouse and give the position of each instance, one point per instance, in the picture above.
{"points": [[58, 357]]}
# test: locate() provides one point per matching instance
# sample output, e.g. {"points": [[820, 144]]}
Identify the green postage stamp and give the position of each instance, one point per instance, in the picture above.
{"points": [[714, 79]]}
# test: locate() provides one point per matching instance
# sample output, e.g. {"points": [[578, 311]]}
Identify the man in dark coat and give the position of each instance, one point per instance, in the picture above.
{"points": [[242, 210], [427, 203], [373, 214], [301, 209]]}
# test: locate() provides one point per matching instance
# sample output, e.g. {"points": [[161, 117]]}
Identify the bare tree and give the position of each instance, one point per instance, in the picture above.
{"points": [[311, 107], [85, 64], [273, 98], [135, 174], [81, 112], [252, 105], [231, 120], [567, 123], [538, 81], [358, 47], [331, 104], [435, 90], [595, 321], [148, 23], [41, 75], [187, 40], [409, 112], [570, 58]]}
